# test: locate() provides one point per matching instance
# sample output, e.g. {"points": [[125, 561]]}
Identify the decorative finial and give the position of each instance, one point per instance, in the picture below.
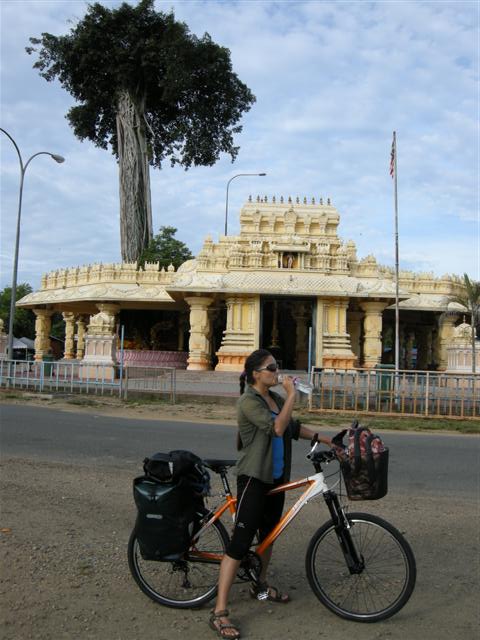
{"points": [[329, 201], [313, 200], [249, 198], [304, 201], [273, 200], [265, 199], [258, 198], [289, 199], [298, 200], [321, 200], [281, 199]]}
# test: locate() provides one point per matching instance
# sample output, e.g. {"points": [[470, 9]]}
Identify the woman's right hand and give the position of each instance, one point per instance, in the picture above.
{"points": [[289, 385]]}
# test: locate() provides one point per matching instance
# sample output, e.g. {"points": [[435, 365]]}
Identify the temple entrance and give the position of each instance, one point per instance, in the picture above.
{"points": [[418, 334], [155, 330], [284, 329]]}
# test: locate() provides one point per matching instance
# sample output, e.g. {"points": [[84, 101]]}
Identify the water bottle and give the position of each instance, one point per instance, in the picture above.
{"points": [[300, 385]]}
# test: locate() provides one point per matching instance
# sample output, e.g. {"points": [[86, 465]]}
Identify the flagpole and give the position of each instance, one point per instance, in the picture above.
{"points": [[397, 310]]}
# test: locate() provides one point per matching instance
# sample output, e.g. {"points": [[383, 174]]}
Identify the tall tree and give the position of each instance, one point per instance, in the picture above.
{"points": [[152, 91], [471, 301], [166, 249]]}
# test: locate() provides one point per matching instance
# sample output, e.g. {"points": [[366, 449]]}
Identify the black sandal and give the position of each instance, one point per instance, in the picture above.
{"points": [[220, 627], [264, 592]]}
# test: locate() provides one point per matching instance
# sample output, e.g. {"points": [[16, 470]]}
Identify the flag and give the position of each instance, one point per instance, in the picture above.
{"points": [[392, 157]]}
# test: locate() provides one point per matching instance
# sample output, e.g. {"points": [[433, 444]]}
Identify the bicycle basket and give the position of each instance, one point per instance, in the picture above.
{"points": [[369, 481], [363, 462]]}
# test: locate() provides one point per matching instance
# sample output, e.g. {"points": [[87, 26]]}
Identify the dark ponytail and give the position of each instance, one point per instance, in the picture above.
{"points": [[242, 379]]}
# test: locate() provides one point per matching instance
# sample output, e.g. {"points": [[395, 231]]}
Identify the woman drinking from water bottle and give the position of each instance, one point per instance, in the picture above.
{"points": [[265, 433]]}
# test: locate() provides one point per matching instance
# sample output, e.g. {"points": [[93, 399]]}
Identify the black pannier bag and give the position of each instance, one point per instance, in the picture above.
{"points": [[165, 518], [363, 462], [169, 500]]}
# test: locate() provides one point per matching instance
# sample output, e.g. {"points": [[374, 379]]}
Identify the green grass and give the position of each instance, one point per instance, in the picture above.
{"points": [[393, 423]]}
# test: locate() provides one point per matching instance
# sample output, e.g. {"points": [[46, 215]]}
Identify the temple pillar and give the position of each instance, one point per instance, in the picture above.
{"points": [[240, 337], [81, 329], [69, 351], [101, 342], [337, 350], [354, 329], [318, 358], [372, 330], [199, 355], [43, 325], [446, 325]]}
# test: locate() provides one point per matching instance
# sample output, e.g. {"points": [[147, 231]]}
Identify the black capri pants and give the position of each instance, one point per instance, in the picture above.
{"points": [[256, 512]]}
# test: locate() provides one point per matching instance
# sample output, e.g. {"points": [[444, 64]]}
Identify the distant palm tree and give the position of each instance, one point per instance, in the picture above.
{"points": [[471, 301]]}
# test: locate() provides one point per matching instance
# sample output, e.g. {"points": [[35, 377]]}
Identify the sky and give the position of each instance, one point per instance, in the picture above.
{"points": [[332, 80]]}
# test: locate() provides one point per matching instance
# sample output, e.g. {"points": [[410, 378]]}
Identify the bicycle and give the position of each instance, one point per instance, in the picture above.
{"points": [[358, 565]]}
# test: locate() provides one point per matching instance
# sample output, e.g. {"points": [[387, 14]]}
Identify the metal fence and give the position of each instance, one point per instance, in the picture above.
{"points": [[72, 377], [79, 377], [415, 393], [155, 380]]}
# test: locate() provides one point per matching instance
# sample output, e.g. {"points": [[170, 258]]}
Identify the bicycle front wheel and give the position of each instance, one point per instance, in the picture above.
{"points": [[185, 583], [381, 588]]}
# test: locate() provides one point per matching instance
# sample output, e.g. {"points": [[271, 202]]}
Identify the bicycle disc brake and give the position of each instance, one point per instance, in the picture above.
{"points": [[250, 568]]}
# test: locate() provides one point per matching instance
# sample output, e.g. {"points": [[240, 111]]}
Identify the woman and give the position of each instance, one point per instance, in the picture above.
{"points": [[266, 430]]}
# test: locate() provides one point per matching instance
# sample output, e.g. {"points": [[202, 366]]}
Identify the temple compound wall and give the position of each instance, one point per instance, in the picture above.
{"points": [[286, 282]]}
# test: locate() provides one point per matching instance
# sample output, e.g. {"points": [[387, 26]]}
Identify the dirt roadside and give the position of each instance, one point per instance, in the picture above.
{"points": [[63, 574]]}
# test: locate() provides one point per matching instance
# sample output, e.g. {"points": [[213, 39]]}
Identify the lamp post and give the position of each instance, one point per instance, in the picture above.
{"points": [[228, 185], [23, 168]]}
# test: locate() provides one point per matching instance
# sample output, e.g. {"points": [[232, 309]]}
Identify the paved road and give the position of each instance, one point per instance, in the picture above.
{"points": [[67, 512], [442, 464]]}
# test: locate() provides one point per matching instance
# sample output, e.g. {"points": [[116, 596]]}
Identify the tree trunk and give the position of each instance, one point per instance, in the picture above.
{"points": [[135, 200]]}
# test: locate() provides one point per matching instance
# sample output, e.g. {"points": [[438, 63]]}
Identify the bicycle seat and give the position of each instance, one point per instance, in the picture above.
{"points": [[218, 465]]}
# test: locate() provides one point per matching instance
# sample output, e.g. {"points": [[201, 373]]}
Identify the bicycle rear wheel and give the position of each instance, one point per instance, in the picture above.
{"points": [[185, 583], [381, 588]]}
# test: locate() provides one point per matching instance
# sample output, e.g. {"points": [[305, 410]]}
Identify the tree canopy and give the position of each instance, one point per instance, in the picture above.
{"points": [[24, 320], [166, 249], [149, 89], [184, 86]]}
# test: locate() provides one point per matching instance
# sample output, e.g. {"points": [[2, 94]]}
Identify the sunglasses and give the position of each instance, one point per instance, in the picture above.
{"points": [[272, 367]]}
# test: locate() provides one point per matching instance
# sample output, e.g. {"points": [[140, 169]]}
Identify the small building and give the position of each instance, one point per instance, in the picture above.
{"points": [[287, 282]]}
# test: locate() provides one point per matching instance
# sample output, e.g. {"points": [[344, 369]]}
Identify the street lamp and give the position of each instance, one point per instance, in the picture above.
{"points": [[23, 168], [228, 184]]}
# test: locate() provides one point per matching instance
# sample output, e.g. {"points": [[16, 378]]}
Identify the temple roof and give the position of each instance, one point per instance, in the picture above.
{"points": [[286, 246], [283, 282]]}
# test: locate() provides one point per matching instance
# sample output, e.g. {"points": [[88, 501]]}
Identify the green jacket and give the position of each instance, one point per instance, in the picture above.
{"points": [[255, 424]]}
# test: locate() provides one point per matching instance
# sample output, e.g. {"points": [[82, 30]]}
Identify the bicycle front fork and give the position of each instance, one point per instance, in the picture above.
{"points": [[354, 562]]}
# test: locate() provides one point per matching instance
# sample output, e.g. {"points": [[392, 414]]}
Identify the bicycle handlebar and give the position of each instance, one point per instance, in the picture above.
{"points": [[317, 457]]}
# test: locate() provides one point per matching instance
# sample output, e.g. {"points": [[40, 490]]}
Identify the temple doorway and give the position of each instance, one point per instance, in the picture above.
{"points": [[284, 329], [146, 330]]}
